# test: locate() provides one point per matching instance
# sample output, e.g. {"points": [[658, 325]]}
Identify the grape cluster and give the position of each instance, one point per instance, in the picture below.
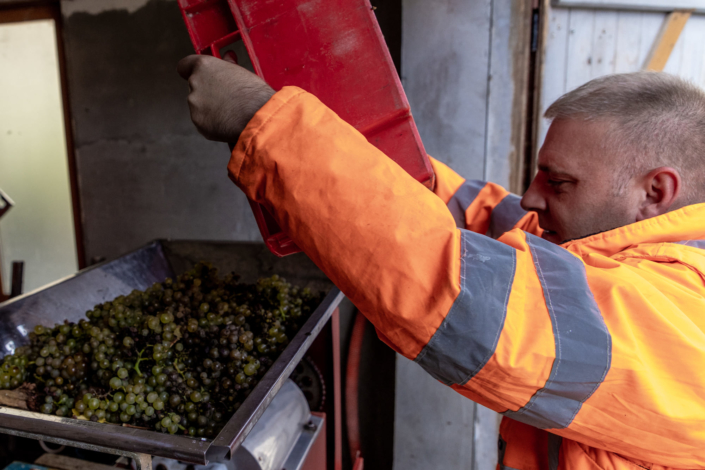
{"points": [[179, 357]]}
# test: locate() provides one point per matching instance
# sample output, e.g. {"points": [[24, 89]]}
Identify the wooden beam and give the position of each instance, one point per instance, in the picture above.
{"points": [[666, 40], [640, 5]]}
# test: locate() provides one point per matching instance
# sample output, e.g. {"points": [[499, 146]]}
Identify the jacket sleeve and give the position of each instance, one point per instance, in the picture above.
{"points": [[516, 323], [480, 206]]}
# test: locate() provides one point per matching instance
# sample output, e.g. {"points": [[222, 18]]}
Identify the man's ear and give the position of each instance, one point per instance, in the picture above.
{"points": [[662, 186]]}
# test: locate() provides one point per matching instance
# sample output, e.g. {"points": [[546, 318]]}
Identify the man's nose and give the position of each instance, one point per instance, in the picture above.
{"points": [[533, 200]]}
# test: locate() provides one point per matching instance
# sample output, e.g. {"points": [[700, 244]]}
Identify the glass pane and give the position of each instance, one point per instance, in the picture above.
{"points": [[34, 172]]}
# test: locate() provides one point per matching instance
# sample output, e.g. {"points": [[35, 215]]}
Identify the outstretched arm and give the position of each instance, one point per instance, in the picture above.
{"points": [[518, 324]]}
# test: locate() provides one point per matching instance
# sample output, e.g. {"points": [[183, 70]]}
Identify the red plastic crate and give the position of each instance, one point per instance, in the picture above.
{"points": [[331, 48]]}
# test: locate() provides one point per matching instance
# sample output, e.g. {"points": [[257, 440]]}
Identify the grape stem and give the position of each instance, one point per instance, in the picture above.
{"points": [[140, 359], [176, 366]]}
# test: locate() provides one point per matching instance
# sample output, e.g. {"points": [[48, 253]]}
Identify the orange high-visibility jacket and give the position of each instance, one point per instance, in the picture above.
{"points": [[594, 351]]}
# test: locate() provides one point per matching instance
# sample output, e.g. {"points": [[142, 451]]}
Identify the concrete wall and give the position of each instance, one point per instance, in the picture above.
{"points": [[464, 69], [144, 171]]}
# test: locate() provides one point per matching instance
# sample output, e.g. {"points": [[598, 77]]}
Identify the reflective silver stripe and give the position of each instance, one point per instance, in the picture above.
{"points": [[462, 199], [583, 343], [468, 336], [554, 450], [693, 243], [505, 215]]}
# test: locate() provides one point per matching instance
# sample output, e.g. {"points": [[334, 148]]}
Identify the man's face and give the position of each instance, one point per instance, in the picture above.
{"points": [[574, 192]]}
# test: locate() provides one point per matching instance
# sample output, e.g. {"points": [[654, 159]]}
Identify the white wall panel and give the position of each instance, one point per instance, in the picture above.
{"points": [[627, 46], [652, 5], [583, 44]]}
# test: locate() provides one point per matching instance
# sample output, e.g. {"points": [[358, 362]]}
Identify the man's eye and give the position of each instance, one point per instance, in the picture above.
{"points": [[556, 183]]}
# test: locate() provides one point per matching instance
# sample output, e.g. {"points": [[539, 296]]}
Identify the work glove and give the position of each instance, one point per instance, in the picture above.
{"points": [[223, 96]]}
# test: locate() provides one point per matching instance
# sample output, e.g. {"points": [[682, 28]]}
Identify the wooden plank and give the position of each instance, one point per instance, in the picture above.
{"points": [[689, 54], [14, 398], [507, 99], [580, 53], [604, 44], [536, 103], [676, 59], [651, 23], [666, 40], [554, 66], [628, 41], [640, 5], [27, 13], [695, 33]]}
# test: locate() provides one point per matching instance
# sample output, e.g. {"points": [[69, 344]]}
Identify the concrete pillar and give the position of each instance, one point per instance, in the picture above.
{"points": [[464, 68]]}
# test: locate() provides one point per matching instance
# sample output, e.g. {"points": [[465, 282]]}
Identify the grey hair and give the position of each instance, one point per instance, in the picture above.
{"points": [[656, 119]]}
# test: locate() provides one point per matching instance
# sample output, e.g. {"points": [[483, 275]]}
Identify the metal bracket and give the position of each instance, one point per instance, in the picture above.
{"points": [[297, 456], [5, 203]]}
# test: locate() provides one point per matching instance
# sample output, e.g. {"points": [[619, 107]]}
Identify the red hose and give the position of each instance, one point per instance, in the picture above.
{"points": [[352, 377]]}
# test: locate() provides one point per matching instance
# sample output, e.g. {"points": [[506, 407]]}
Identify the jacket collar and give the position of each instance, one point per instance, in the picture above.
{"points": [[686, 223]]}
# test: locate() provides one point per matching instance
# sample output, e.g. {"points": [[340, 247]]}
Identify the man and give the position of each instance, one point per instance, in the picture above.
{"points": [[580, 320]]}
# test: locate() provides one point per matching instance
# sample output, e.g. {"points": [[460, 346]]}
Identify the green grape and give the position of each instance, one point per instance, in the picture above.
{"points": [[175, 350], [174, 400], [153, 323]]}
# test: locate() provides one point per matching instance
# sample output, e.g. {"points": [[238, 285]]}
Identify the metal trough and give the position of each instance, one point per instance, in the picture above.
{"points": [[70, 298]]}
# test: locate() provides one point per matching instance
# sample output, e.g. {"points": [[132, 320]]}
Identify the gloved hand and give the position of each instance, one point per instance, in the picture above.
{"points": [[223, 96]]}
